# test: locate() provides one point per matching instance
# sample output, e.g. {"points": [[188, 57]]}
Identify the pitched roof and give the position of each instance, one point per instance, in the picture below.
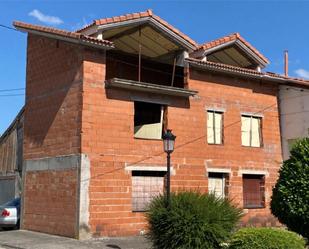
{"points": [[219, 67], [59, 33], [17, 119], [136, 16], [229, 38]]}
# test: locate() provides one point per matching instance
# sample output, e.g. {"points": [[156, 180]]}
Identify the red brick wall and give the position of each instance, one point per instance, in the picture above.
{"points": [[53, 98], [52, 128], [68, 111], [236, 96], [50, 203], [107, 137]]}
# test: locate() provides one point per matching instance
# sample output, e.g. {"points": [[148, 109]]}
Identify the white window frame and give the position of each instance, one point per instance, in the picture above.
{"points": [[213, 128], [251, 117], [224, 175]]}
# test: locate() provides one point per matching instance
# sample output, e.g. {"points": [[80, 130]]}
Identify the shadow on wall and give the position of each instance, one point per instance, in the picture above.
{"points": [[132, 96], [54, 81], [113, 246]]}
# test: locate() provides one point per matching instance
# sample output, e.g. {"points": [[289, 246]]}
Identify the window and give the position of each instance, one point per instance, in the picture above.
{"points": [[148, 120], [251, 131], [145, 186], [254, 191], [214, 127], [217, 184]]}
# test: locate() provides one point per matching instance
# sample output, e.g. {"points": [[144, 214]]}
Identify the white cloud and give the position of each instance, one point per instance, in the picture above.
{"points": [[80, 24], [302, 73], [45, 18]]}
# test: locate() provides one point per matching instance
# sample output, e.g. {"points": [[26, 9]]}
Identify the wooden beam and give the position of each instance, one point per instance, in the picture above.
{"points": [[127, 45], [145, 46], [139, 53], [174, 67], [232, 59], [126, 32]]}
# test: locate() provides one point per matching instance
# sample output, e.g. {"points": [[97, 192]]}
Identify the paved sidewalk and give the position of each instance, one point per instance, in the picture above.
{"points": [[22, 239]]}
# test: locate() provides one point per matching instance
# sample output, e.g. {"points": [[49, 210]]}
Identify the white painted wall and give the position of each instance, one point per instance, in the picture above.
{"points": [[294, 114]]}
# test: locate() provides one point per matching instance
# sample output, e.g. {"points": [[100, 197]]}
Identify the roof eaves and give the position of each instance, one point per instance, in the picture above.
{"points": [[137, 17], [219, 67], [227, 40], [13, 124], [64, 35]]}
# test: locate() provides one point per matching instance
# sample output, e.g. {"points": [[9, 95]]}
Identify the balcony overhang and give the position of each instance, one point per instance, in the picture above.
{"points": [[149, 88]]}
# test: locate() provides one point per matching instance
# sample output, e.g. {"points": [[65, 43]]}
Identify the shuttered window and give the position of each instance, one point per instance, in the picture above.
{"points": [[254, 191], [217, 184], [145, 186], [214, 127], [251, 132]]}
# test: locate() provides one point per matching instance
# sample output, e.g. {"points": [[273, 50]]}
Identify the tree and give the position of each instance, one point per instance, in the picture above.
{"points": [[290, 200]]}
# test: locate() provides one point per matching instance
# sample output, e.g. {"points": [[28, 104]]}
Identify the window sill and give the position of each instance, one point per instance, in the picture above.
{"points": [[254, 207], [215, 144], [150, 139], [253, 147]]}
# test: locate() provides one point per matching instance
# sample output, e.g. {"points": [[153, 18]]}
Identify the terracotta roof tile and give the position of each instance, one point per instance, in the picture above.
{"points": [[147, 13], [246, 71], [63, 33], [228, 38]]}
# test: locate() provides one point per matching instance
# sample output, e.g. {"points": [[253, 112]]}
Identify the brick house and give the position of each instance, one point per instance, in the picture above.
{"points": [[97, 102]]}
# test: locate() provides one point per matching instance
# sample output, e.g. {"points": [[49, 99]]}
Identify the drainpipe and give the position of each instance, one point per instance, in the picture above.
{"points": [[280, 122]]}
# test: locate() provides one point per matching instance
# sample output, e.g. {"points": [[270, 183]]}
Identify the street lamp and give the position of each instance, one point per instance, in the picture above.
{"points": [[168, 143]]}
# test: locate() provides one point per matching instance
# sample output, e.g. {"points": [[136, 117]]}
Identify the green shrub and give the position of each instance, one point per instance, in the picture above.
{"points": [[290, 200], [193, 221], [266, 238]]}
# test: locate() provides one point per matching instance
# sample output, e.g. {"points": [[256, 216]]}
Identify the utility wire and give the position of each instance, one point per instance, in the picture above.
{"points": [[12, 95], [184, 144], [176, 147], [7, 27], [11, 89]]}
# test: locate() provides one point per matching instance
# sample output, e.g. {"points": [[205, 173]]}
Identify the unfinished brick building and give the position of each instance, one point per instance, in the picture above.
{"points": [[97, 102]]}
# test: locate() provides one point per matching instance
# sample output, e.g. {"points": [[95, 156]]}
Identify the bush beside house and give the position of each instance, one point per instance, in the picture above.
{"points": [[194, 220], [266, 238]]}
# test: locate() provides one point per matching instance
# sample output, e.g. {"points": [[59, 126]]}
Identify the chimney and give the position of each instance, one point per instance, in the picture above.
{"points": [[286, 63]]}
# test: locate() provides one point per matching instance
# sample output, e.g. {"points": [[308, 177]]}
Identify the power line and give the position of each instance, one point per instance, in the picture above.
{"points": [[7, 27], [184, 144], [177, 147], [12, 95], [11, 89]]}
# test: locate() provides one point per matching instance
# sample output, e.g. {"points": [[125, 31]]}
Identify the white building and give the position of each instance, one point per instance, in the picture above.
{"points": [[294, 115]]}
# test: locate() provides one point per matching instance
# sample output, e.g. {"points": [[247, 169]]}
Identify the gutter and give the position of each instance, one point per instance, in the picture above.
{"points": [[244, 73]]}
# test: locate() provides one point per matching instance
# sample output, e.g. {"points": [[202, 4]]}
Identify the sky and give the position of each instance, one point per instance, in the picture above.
{"points": [[270, 26]]}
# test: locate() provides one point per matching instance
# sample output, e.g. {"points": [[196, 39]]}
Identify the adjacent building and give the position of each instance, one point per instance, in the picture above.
{"points": [[294, 106], [98, 101], [11, 159]]}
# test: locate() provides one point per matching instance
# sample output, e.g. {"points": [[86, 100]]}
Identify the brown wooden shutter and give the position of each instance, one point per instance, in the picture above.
{"points": [[253, 191]]}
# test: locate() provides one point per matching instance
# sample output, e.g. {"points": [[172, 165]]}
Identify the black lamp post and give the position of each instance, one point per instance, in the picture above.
{"points": [[168, 142]]}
